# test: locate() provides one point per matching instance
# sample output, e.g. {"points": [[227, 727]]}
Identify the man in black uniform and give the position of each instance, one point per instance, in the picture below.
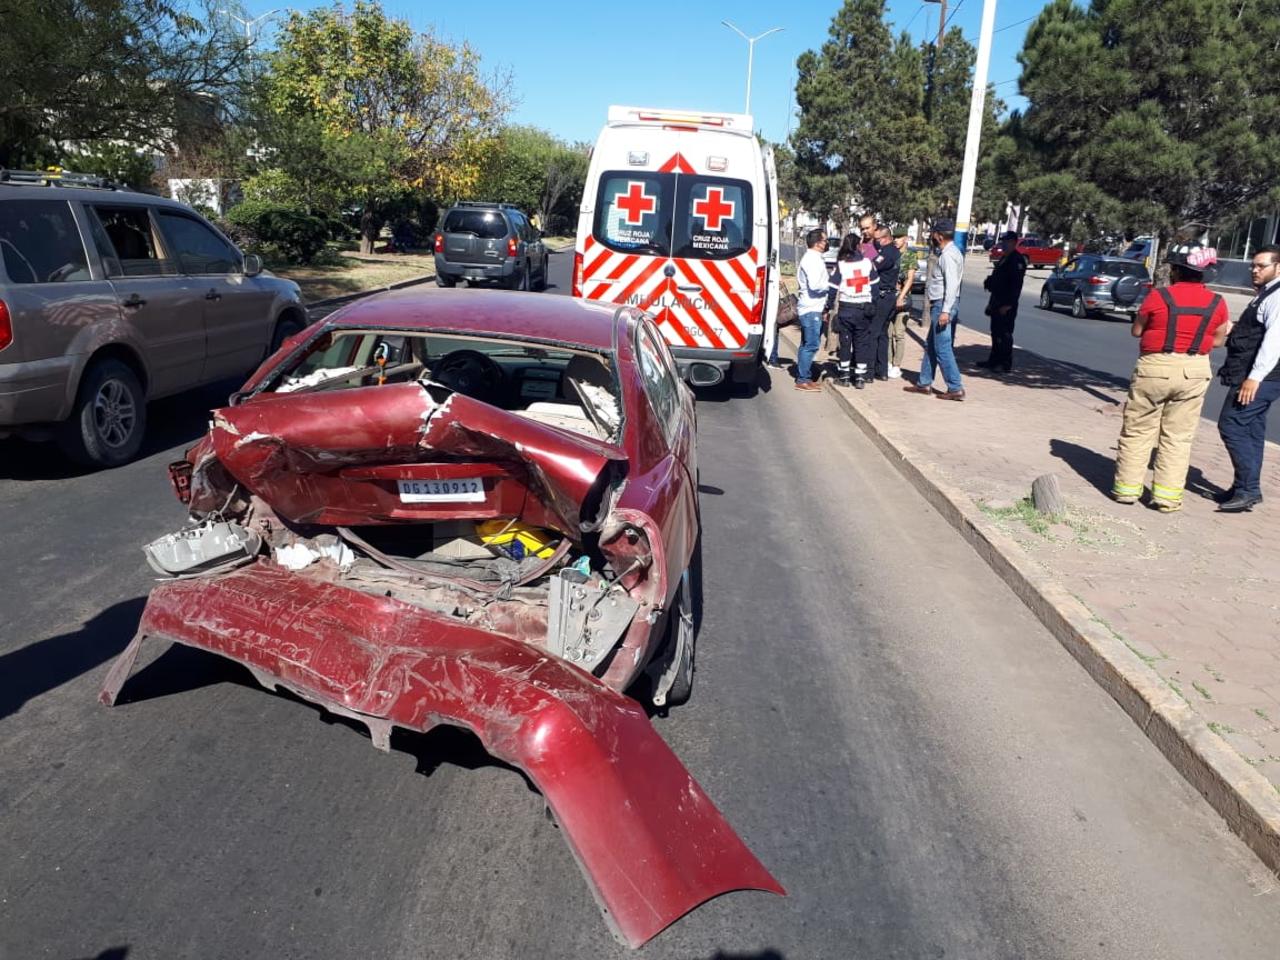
{"points": [[1005, 287], [884, 299]]}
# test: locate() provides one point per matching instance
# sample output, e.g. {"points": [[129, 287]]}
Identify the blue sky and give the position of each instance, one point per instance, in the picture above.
{"points": [[570, 59]]}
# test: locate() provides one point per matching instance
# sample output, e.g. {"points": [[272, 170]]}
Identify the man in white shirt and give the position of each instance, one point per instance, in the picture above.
{"points": [[811, 298], [1252, 371]]}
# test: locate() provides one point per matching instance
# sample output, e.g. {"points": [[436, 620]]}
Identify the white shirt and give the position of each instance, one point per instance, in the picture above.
{"points": [[855, 280], [1269, 349], [813, 282]]}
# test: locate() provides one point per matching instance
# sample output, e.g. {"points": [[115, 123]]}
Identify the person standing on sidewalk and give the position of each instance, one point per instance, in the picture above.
{"points": [[1253, 375], [907, 265], [855, 313], [867, 226], [1005, 287], [811, 297], [942, 294], [884, 299], [1178, 326]]}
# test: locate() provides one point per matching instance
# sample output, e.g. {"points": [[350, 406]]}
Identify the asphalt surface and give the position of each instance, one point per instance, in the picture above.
{"points": [[923, 767]]}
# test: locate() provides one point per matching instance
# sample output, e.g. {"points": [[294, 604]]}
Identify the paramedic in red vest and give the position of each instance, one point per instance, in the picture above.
{"points": [[855, 315], [1178, 326], [1253, 375]]}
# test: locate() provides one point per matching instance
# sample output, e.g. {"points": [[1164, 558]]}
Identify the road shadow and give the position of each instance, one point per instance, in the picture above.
{"points": [[171, 422], [113, 953], [1095, 468], [47, 664], [759, 955]]}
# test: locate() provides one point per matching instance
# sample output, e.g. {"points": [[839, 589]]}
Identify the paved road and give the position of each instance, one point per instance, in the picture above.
{"points": [[920, 764]]}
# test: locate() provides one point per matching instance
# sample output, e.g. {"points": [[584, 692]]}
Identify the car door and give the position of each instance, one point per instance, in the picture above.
{"points": [[236, 308], [1065, 288], [164, 309]]}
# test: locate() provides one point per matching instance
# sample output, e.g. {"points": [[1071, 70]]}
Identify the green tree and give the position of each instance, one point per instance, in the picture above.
{"points": [[390, 111], [1170, 117], [536, 171]]}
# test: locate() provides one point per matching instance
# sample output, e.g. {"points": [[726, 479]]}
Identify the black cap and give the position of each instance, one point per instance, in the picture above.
{"points": [[943, 225], [1009, 235]]}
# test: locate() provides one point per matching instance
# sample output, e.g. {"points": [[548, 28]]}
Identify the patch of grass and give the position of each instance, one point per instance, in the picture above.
{"points": [[1262, 714], [1221, 728], [1173, 685], [349, 275], [1201, 690], [1214, 673], [1023, 510]]}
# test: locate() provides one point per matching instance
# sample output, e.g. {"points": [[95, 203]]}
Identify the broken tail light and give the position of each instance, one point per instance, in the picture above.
{"points": [[577, 274], [180, 478], [6, 325]]}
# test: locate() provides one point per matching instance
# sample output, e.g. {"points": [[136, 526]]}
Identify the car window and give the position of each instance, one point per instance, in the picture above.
{"points": [[134, 249], [1124, 268], [715, 217], [633, 212], [485, 224], [659, 380], [41, 243], [199, 249]]}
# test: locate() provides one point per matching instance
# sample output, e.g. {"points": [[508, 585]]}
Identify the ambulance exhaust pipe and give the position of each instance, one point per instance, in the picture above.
{"points": [[704, 375]]}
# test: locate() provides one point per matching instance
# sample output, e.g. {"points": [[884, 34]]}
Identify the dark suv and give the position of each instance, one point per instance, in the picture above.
{"points": [[490, 241], [1093, 284]]}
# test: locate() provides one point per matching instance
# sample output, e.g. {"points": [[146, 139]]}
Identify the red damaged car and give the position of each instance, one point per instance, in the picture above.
{"points": [[477, 510]]}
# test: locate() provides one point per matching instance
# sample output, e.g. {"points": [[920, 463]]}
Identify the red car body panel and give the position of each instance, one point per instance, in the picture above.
{"points": [[1037, 254], [651, 843]]}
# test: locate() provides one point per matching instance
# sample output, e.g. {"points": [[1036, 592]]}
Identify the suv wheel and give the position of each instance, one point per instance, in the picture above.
{"points": [[284, 330], [444, 280], [1046, 302], [541, 283], [1078, 308], [106, 425], [521, 280]]}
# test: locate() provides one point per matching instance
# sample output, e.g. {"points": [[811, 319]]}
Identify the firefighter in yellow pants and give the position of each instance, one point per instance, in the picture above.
{"points": [[1178, 326]]}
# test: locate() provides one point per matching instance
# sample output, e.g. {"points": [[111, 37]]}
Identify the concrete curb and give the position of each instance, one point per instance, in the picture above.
{"points": [[348, 297], [1241, 795]]}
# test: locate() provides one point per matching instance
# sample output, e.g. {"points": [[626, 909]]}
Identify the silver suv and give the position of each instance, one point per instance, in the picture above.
{"points": [[489, 241], [109, 299]]}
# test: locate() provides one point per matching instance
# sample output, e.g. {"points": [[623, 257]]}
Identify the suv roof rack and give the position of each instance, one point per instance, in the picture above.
{"points": [[487, 203], [57, 177]]}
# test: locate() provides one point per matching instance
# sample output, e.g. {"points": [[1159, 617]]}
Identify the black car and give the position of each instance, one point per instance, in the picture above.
{"points": [[490, 241], [1093, 284]]}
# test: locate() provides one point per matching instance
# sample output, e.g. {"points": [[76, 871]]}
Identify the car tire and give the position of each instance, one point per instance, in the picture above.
{"points": [[541, 283], [1078, 309], [443, 280], [1046, 302], [284, 330], [109, 418], [525, 282], [680, 631]]}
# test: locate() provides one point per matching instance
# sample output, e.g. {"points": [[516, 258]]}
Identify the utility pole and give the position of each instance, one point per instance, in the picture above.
{"points": [[751, 53], [942, 23], [977, 108], [248, 24]]}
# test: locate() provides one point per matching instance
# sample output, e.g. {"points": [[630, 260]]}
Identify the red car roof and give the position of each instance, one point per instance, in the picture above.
{"points": [[486, 313]]}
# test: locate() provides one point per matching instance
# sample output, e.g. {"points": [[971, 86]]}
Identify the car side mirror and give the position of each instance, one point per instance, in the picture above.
{"points": [[252, 265]]}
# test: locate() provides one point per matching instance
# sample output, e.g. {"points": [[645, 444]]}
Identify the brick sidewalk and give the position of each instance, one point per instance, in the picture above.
{"points": [[1194, 594]]}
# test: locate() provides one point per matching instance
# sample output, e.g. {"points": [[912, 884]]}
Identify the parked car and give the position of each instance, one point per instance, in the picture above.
{"points": [[1094, 284], [478, 510], [110, 299], [1035, 249], [919, 281], [489, 241]]}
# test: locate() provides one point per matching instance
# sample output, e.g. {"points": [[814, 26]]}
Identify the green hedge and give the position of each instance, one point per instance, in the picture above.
{"points": [[277, 231]]}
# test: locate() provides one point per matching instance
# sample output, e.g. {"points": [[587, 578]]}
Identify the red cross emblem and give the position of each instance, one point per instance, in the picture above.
{"points": [[635, 203], [858, 281], [713, 209]]}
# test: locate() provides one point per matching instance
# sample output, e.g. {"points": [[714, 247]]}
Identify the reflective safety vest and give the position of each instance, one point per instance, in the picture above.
{"points": [[855, 280], [1244, 342], [1177, 313]]}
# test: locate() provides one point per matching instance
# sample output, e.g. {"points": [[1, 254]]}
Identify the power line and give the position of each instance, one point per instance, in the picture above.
{"points": [[907, 28], [953, 14], [1019, 23]]}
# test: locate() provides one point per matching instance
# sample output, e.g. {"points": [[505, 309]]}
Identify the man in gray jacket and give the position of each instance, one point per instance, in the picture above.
{"points": [[942, 293]]}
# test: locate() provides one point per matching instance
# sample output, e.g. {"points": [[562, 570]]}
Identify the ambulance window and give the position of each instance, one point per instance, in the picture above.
{"points": [[632, 214], [715, 218]]}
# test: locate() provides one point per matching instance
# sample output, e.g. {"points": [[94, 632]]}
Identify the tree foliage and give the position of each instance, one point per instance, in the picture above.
{"points": [[382, 110], [1159, 120], [536, 171]]}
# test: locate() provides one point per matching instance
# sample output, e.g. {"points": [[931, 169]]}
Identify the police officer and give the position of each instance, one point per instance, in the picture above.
{"points": [[1252, 372], [1177, 327], [1005, 287], [884, 298]]}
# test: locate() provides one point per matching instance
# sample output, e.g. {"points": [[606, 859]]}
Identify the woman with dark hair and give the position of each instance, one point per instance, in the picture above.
{"points": [[854, 281]]}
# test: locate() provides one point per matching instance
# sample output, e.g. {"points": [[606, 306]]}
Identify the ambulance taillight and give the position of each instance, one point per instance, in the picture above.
{"points": [[757, 311], [577, 275]]}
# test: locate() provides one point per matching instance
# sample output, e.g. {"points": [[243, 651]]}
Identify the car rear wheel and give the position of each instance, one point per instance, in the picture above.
{"points": [[1046, 302], [1078, 309], [525, 278], [680, 645], [107, 424], [443, 280], [541, 283]]}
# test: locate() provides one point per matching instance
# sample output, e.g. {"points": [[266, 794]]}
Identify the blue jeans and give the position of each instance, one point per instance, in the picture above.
{"points": [[810, 333], [938, 350], [1244, 433]]}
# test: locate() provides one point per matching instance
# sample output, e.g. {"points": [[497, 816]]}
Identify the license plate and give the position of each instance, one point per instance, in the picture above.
{"points": [[461, 490]]}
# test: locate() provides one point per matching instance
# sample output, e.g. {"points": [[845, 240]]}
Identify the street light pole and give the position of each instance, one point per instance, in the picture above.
{"points": [[977, 105], [751, 53], [248, 24]]}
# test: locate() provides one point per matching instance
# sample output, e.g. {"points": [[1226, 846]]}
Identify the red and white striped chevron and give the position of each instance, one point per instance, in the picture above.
{"points": [[720, 313]]}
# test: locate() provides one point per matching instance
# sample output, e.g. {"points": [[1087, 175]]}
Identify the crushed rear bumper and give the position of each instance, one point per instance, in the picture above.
{"points": [[651, 843]]}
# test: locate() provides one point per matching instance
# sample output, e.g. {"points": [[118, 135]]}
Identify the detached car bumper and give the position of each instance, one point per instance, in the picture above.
{"points": [[649, 840]]}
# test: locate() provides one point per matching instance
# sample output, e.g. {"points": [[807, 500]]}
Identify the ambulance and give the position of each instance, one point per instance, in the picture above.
{"points": [[679, 218]]}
